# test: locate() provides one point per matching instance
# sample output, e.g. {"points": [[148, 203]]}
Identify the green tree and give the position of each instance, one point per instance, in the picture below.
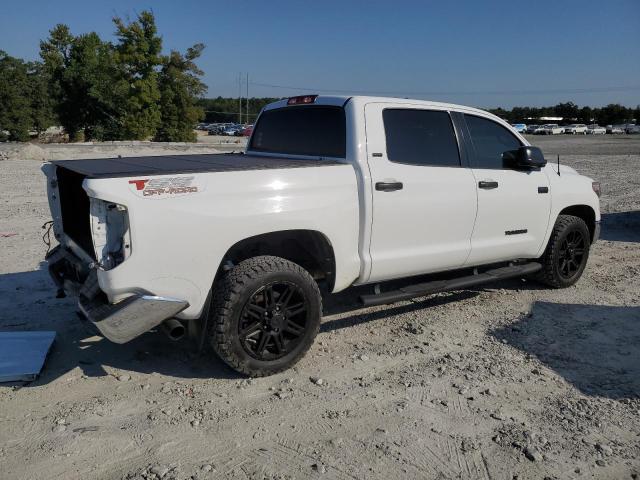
{"points": [[568, 111], [136, 59], [41, 103], [79, 69], [614, 113], [585, 115], [180, 85], [15, 107], [520, 114], [55, 53]]}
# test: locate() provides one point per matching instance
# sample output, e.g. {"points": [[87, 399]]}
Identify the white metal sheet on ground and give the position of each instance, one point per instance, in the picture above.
{"points": [[22, 354]]}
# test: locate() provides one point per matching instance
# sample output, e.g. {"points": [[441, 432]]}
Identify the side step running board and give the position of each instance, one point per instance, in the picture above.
{"points": [[427, 288]]}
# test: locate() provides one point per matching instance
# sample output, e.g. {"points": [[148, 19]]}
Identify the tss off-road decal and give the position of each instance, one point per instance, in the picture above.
{"points": [[164, 187]]}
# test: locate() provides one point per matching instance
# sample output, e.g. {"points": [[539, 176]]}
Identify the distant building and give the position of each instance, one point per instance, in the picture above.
{"points": [[547, 119]]}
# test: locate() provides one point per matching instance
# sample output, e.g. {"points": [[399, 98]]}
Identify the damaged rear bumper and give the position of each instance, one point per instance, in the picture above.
{"points": [[120, 322], [132, 316]]}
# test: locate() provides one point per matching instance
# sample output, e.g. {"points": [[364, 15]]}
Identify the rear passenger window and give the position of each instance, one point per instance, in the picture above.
{"points": [[420, 137], [490, 140]]}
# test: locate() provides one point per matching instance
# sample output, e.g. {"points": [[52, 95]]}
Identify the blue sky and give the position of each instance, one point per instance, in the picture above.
{"points": [[481, 53]]}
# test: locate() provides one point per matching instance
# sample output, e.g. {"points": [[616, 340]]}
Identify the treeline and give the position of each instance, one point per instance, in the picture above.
{"points": [[570, 112], [98, 90]]}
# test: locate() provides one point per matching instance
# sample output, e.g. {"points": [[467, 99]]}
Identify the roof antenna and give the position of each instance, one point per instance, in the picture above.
{"points": [[558, 164]]}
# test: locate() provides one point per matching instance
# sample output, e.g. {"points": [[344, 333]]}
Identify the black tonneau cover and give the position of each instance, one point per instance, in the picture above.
{"points": [[172, 164]]}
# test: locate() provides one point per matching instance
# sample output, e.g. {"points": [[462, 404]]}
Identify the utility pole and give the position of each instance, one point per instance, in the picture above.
{"points": [[240, 98], [247, 109]]}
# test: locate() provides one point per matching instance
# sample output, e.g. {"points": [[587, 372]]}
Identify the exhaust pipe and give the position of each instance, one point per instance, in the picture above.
{"points": [[174, 329]]}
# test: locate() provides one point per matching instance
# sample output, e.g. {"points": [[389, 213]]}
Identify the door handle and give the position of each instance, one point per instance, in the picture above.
{"points": [[487, 184], [388, 186]]}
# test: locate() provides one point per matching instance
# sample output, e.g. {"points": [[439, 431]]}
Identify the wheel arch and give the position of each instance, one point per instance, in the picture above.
{"points": [[310, 249], [586, 213]]}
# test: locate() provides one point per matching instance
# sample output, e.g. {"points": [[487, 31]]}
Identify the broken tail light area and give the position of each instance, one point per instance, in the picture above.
{"points": [[110, 233], [302, 100]]}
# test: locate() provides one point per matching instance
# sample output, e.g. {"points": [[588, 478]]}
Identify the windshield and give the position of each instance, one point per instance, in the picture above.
{"points": [[313, 130]]}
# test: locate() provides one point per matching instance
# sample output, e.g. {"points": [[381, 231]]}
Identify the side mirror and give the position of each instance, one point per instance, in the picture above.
{"points": [[524, 157]]}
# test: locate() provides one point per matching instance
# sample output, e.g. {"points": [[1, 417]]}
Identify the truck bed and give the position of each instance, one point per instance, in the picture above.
{"points": [[173, 164]]}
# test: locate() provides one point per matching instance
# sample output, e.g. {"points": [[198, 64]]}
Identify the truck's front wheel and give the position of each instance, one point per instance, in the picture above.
{"points": [[265, 315], [566, 255]]}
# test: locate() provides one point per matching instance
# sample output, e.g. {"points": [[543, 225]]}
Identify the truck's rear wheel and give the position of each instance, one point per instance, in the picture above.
{"points": [[265, 315], [567, 253]]}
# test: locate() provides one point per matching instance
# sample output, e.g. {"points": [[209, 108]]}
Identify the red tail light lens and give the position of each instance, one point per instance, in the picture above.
{"points": [[301, 100]]}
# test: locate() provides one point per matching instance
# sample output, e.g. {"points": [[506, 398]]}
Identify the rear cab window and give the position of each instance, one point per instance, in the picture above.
{"points": [[420, 137], [490, 140], [309, 130]]}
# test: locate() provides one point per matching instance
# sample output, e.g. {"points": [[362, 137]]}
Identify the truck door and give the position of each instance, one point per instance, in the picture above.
{"points": [[513, 205], [424, 200]]}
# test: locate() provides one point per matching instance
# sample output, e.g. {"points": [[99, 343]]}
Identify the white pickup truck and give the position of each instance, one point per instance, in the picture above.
{"points": [[331, 192]]}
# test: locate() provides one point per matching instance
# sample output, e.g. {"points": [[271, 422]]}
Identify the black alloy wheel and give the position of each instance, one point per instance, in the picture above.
{"points": [[273, 321], [571, 255], [265, 314], [567, 252]]}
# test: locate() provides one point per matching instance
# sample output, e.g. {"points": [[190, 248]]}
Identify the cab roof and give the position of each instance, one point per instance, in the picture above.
{"points": [[342, 100], [361, 101]]}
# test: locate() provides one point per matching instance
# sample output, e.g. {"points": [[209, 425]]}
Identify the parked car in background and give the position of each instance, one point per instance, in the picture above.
{"points": [[246, 131], [596, 130], [615, 129], [219, 128], [575, 129], [532, 128], [240, 130], [549, 129], [632, 128], [230, 131], [554, 129], [519, 127]]}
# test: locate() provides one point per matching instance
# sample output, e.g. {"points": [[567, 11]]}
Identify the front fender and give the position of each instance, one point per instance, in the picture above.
{"points": [[569, 189]]}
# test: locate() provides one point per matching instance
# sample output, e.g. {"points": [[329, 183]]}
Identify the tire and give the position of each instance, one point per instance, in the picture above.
{"points": [[567, 252], [256, 323]]}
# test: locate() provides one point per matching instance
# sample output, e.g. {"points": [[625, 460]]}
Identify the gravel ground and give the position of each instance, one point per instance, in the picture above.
{"points": [[504, 382]]}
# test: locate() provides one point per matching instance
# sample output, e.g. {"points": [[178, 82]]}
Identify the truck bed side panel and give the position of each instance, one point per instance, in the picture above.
{"points": [[179, 241]]}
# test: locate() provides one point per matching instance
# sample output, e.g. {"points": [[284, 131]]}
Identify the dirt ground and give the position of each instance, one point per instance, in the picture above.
{"points": [[503, 382]]}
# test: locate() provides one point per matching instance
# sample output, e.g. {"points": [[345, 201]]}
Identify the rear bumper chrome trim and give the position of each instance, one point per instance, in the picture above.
{"points": [[135, 315]]}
